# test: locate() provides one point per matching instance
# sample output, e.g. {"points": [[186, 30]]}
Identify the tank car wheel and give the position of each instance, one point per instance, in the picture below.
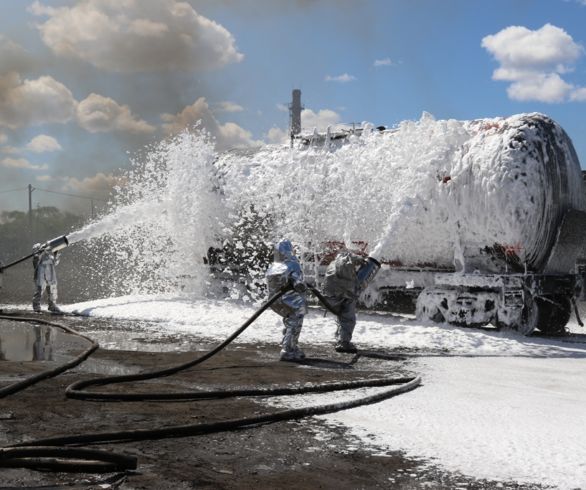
{"points": [[529, 319], [426, 310], [554, 314]]}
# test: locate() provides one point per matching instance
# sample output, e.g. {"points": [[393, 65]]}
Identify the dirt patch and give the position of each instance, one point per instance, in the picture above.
{"points": [[300, 454]]}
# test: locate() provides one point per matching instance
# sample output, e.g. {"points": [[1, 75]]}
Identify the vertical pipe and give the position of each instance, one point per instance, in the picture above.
{"points": [[30, 208], [295, 112]]}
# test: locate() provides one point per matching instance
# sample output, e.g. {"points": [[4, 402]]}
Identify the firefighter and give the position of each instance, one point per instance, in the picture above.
{"points": [[292, 306], [44, 262], [341, 289]]}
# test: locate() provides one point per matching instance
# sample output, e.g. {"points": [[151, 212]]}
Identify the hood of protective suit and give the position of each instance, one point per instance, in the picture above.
{"points": [[284, 251]]}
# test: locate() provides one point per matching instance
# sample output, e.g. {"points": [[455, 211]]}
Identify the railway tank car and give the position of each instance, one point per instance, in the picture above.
{"points": [[475, 222]]}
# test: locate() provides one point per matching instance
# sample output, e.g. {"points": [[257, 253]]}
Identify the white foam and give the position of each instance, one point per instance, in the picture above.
{"points": [[510, 409], [423, 193], [169, 214]]}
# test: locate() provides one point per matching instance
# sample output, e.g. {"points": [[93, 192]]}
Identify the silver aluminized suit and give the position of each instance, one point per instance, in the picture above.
{"points": [[45, 276], [292, 306], [341, 289]]}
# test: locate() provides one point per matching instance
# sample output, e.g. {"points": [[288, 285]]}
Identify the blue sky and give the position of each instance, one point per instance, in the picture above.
{"points": [[83, 84]]}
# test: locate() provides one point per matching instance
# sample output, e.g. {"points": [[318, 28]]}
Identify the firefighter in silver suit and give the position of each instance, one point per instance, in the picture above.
{"points": [[292, 306], [44, 262], [341, 288]]}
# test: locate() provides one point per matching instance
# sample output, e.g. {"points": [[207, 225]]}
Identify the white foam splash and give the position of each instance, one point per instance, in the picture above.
{"points": [[170, 213], [421, 193]]}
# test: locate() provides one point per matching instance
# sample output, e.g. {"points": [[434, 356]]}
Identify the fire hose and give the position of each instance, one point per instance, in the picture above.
{"points": [[55, 454]]}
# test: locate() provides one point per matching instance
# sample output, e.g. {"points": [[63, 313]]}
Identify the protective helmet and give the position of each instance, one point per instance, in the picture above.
{"points": [[283, 250]]}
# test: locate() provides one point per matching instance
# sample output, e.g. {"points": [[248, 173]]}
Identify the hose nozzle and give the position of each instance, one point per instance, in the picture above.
{"points": [[366, 273], [57, 244]]}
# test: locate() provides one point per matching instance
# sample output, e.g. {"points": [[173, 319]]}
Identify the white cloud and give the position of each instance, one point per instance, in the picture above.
{"points": [[13, 57], [45, 178], [227, 106], [310, 120], [383, 62], [579, 95], [549, 48], [282, 107], [137, 36], [10, 150], [319, 120], [21, 163], [545, 88], [228, 135], [102, 114], [344, 78], [277, 136], [29, 102], [43, 143], [3, 138], [533, 61], [99, 185]]}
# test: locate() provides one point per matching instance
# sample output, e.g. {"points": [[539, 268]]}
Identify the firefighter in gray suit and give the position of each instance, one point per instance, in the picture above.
{"points": [[341, 288], [292, 306]]}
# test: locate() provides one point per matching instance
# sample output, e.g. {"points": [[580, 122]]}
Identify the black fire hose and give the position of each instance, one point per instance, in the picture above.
{"points": [[46, 453], [78, 390], [405, 385], [16, 262], [75, 390], [75, 460], [324, 301]]}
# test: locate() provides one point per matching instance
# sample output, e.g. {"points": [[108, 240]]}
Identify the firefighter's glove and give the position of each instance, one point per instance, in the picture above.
{"points": [[300, 287]]}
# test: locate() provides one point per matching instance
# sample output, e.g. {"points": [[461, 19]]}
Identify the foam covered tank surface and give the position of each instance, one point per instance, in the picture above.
{"points": [[425, 192]]}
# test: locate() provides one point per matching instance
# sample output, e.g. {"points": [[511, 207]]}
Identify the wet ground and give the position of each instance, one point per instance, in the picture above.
{"points": [[301, 454]]}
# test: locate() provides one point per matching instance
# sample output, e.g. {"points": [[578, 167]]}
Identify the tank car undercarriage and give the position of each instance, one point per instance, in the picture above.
{"points": [[521, 302]]}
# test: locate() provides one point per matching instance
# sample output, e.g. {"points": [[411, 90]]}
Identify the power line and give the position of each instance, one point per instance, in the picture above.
{"points": [[13, 190], [71, 195]]}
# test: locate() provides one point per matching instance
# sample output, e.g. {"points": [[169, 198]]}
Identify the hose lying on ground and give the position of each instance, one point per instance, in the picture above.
{"points": [[75, 389], [406, 384], [44, 453], [79, 460]]}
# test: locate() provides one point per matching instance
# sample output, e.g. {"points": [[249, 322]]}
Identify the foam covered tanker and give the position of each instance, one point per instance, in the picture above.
{"points": [[482, 221], [502, 194]]}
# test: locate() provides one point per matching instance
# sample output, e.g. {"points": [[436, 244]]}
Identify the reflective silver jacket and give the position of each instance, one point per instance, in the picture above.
{"points": [[285, 269], [44, 264]]}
